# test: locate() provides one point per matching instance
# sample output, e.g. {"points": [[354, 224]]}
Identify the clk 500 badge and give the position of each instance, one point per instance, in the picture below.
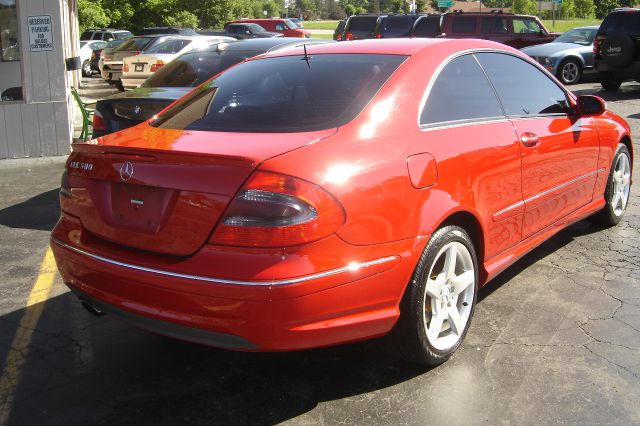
{"points": [[78, 165]]}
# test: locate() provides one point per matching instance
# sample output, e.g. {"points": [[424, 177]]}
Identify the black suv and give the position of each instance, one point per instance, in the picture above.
{"points": [[390, 26], [617, 48], [360, 27]]}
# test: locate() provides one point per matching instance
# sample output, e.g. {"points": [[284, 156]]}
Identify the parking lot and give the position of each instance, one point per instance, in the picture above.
{"points": [[555, 339]]}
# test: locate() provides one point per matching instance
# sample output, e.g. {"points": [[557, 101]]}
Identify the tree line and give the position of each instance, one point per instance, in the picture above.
{"points": [[204, 14]]}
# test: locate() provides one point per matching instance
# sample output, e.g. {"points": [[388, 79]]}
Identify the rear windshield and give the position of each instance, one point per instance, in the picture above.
{"points": [[169, 46], [621, 22], [134, 44], [283, 94], [194, 68], [122, 35], [362, 23], [428, 27], [397, 23]]}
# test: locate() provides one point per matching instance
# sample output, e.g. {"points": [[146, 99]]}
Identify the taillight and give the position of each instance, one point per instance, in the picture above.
{"points": [[98, 122], [378, 35], [273, 210], [136, 53], [125, 67], [155, 67], [596, 46], [339, 37], [348, 36]]}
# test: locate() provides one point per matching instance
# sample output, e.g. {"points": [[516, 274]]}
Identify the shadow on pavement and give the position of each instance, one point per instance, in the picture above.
{"points": [[40, 212]]}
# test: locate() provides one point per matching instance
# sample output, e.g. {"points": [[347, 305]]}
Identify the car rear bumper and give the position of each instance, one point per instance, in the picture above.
{"points": [[631, 71], [352, 301], [131, 83]]}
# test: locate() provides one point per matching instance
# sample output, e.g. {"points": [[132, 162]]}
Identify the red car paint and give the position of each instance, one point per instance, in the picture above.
{"points": [[395, 182]]}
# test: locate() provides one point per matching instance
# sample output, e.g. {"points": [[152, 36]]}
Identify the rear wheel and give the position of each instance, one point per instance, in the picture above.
{"points": [[438, 304], [119, 85], [616, 194], [570, 71], [608, 82], [86, 68]]}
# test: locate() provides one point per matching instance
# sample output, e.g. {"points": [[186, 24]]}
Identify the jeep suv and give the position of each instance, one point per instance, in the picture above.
{"points": [[513, 30], [616, 48]]}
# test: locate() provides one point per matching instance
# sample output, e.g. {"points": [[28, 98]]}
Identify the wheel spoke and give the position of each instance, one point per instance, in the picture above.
{"points": [[434, 286], [616, 200], [435, 326], [450, 262], [626, 179], [463, 281], [455, 321], [623, 200]]}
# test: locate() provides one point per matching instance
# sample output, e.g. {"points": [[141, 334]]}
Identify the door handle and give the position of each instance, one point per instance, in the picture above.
{"points": [[529, 139]]}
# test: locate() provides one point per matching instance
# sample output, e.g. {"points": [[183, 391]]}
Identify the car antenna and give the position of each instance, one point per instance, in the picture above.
{"points": [[306, 55]]}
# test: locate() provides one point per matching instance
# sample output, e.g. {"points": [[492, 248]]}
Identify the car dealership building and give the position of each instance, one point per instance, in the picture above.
{"points": [[36, 106]]}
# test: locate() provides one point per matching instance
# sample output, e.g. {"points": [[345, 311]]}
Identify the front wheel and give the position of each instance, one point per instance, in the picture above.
{"points": [[439, 301], [570, 71], [616, 194]]}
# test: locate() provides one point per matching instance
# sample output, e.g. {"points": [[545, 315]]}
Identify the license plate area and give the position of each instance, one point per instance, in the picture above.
{"points": [[141, 208], [139, 67]]}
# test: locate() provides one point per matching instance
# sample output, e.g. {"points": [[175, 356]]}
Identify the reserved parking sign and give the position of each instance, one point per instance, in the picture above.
{"points": [[40, 36]]}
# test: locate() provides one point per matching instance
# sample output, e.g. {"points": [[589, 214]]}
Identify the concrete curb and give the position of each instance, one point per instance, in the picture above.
{"points": [[17, 163]]}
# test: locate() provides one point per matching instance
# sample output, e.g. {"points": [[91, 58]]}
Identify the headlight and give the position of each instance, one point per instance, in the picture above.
{"points": [[544, 60]]}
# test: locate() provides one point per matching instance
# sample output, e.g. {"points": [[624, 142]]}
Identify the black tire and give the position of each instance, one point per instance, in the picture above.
{"points": [[570, 71], [409, 339], [609, 215], [119, 85], [608, 82], [86, 68]]}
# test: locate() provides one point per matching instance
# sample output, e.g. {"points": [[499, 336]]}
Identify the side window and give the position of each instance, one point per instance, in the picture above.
{"points": [[428, 27], [540, 95], [525, 26], [494, 25], [460, 92], [280, 27], [464, 24]]}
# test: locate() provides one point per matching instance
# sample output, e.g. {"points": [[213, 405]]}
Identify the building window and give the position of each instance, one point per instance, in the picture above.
{"points": [[10, 71]]}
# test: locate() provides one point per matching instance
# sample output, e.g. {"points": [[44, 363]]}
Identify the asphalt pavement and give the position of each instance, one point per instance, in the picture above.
{"points": [[555, 339]]}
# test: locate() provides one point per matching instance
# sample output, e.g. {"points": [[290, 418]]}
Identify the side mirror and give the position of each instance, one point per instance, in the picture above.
{"points": [[589, 105], [247, 32]]}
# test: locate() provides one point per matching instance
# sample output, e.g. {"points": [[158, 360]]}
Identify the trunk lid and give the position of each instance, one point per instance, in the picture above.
{"points": [[164, 190]]}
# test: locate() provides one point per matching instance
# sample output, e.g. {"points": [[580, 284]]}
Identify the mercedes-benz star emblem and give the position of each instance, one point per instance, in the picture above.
{"points": [[126, 171], [137, 109]]}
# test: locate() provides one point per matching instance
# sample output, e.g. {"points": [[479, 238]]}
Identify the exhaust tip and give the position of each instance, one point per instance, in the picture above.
{"points": [[92, 309]]}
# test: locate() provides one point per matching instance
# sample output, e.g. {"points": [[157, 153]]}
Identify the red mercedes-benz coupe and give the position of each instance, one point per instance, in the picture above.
{"points": [[311, 198]]}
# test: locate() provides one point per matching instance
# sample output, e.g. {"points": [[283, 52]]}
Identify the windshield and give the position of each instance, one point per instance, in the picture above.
{"points": [[194, 68], [582, 36], [283, 94], [290, 24], [255, 28]]}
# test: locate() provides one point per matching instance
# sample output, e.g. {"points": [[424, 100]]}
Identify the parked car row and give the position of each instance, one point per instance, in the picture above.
{"points": [[513, 30], [331, 193]]}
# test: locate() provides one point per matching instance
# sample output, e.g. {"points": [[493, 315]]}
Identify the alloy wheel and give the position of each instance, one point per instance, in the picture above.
{"points": [[449, 295], [621, 184], [570, 72]]}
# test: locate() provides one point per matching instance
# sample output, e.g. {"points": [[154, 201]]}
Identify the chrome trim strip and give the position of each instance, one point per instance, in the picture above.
{"points": [[511, 207], [555, 188], [548, 191], [351, 267]]}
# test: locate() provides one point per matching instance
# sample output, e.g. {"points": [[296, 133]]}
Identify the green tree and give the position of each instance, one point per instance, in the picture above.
{"points": [[120, 12], [91, 15], [526, 7], [603, 7], [585, 9], [568, 9]]}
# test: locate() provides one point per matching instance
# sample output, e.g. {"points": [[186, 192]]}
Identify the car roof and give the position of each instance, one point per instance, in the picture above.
{"points": [[263, 43], [400, 46]]}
